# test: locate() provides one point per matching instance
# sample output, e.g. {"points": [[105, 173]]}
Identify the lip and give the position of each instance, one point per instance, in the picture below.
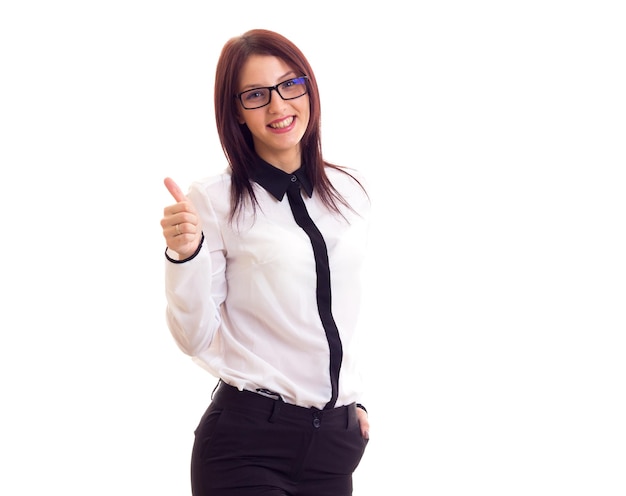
{"points": [[285, 129]]}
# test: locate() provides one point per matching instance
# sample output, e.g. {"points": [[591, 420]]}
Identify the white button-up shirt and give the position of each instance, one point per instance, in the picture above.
{"points": [[245, 306]]}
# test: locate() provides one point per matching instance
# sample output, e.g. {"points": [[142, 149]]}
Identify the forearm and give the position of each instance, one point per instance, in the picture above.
{"points": [[194, 291]]}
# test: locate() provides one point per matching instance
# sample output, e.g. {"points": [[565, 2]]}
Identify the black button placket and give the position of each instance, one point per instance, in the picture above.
{"points": [[323, 292]]}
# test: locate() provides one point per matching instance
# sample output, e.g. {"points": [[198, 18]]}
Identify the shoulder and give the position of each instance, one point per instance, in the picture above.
{"points": [[214, 183], [345, 174], [212, 191], [351, 184], [348, 181]]}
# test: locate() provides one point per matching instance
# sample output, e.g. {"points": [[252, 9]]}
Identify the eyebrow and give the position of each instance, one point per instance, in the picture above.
{"points": [[282, 78]]}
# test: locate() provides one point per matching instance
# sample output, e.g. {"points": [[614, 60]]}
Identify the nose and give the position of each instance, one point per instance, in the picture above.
{"points": [[276, 101]]}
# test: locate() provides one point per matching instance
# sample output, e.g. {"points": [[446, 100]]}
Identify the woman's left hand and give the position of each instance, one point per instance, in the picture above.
{"points": [[363, 422]]}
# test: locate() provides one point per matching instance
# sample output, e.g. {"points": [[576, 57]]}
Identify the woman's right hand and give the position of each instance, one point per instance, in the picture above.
{"points": [[181, 224]]}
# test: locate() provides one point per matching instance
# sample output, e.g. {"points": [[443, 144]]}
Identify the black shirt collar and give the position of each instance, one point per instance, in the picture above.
{"points": [[276, 181]]}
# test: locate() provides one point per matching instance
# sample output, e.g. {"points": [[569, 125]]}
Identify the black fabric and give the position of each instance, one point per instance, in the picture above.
{"points": [[323, 291], [276, 181], [247, 444]]}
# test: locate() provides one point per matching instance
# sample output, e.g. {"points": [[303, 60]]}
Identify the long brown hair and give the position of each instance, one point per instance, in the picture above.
{"points": [[236, 139]]}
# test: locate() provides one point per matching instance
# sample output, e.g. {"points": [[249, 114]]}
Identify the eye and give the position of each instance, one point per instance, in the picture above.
{"points": [[255, 95], [293, 88], [291, 83]]}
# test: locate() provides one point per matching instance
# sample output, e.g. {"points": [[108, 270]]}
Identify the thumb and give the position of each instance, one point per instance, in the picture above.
{"points": [[174, 189]]}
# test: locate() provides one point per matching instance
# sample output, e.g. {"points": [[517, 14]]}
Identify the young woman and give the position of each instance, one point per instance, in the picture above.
{"points": [[262, 284]]}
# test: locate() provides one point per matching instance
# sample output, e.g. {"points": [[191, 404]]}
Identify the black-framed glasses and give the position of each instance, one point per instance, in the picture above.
{"points": [[260, 97]]}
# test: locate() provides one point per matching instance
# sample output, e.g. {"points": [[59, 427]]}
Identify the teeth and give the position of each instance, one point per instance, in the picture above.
{"points": [[282, 124]]}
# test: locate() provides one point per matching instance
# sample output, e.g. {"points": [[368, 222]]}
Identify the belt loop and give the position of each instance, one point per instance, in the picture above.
{"points": [[275, 410]]}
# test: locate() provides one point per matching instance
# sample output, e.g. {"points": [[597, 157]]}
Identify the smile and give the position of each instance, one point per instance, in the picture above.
{"points": [[282, 124]]}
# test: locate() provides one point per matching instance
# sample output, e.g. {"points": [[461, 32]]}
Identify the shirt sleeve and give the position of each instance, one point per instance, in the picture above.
{"points": [[196, 288]]}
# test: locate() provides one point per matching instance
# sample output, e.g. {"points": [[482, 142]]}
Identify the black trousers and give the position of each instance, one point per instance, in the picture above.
{"points": [[248, 444]]}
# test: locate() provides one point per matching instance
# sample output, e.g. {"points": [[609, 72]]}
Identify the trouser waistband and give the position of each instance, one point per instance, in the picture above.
{"points": [[227, 396]]}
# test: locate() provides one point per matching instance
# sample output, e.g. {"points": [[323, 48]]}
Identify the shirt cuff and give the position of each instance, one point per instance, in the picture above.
{"points": [[192, 256]]}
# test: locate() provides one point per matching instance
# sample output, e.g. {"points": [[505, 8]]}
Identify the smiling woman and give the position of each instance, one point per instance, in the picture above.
{"points": [[262, 277], [277, 124], [492, 137]]}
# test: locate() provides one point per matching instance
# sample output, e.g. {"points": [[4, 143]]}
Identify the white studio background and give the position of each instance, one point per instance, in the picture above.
{"points": [[493, 137]]}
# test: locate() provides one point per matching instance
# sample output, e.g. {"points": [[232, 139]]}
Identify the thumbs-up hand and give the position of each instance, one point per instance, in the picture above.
{"points": [[181, 224]]}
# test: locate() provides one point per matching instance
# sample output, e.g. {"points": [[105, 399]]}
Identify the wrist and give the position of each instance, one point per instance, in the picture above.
{"points": [[184, 259]]}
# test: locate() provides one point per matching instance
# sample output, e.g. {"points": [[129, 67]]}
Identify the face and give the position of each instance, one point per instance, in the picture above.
{"points": [[278, 127]]}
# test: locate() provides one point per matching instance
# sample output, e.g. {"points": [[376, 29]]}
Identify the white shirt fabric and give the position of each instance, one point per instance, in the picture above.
{"points": [[245, 306]]}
